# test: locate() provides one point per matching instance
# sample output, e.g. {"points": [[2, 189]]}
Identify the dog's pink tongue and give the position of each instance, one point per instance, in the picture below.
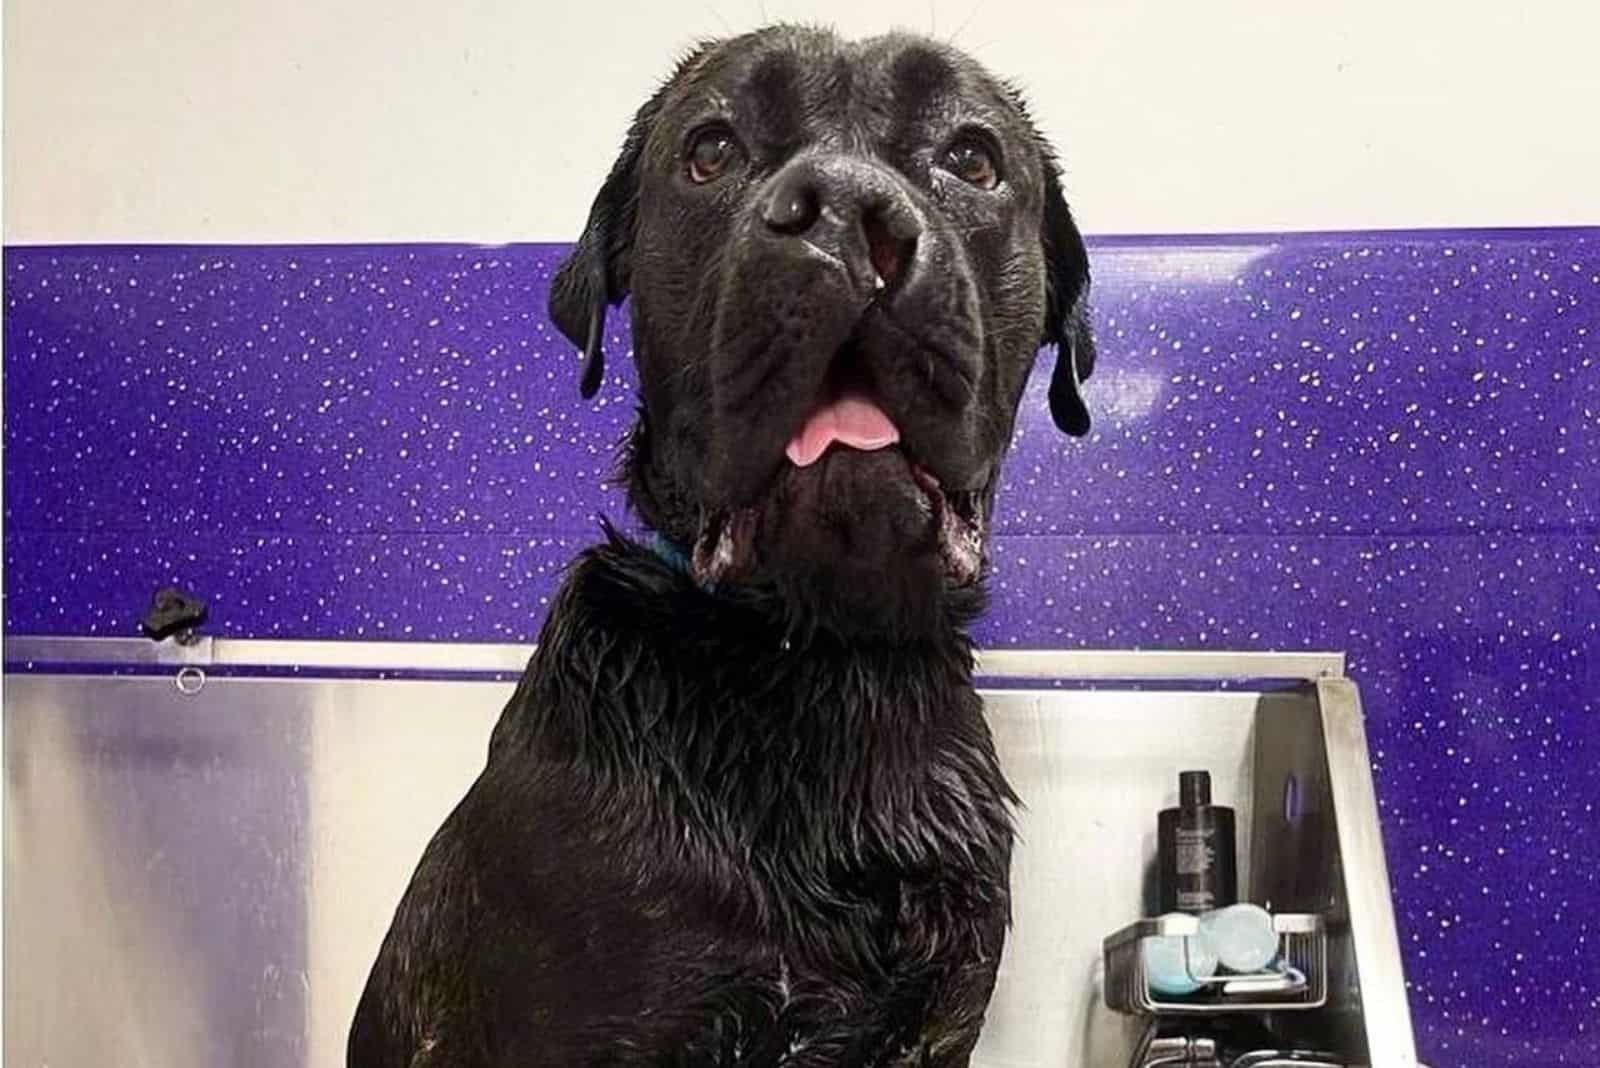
{"points": [[850, 419]]}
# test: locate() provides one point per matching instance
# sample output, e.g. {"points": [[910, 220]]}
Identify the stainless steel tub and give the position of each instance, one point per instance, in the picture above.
{"points": [[200, 860]]}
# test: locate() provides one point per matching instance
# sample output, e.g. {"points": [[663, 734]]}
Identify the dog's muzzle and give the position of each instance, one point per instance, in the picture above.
{"points": [[843, 323]]}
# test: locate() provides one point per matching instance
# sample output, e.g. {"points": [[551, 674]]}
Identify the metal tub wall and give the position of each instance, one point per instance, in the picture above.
{"points": [[201, 879]]}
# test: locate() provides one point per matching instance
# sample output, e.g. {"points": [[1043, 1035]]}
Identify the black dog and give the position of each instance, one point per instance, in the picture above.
{"points": [[743, 808]]}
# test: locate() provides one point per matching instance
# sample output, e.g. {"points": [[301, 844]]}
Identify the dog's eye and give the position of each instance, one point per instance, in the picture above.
{"points": [[970, 160], [710, 153]]}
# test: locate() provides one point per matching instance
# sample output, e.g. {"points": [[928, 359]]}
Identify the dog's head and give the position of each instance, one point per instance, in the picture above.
{"points": [[843, 258]]}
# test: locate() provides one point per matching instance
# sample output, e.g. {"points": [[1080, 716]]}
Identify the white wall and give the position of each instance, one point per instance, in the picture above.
{"points": [[492, 120]]}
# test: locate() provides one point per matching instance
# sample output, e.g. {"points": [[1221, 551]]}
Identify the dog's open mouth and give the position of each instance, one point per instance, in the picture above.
{"points": [[847, 416]]}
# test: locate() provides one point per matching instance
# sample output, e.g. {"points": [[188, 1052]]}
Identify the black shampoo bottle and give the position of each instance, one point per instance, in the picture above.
{"points": [[1196, 849]]}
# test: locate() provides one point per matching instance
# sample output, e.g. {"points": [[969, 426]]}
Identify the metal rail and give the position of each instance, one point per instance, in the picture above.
{"points": [[45, 653]]}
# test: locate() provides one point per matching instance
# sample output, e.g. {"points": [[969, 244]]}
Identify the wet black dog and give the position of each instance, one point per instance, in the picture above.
{"points": [[743, 808]]}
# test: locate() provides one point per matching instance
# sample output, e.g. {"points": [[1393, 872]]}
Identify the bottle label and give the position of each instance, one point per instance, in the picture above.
{"points": [[1195, 854]]}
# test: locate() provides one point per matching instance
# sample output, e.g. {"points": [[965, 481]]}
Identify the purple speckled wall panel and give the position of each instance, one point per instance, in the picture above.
{"points": [[1387, 444]]}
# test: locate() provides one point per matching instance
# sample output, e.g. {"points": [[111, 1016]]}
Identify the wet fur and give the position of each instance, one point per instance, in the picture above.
{"points": [[705, 838], [763, 825]]}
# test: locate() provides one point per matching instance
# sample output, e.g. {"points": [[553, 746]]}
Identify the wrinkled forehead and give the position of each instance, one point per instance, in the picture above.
{"points": [[787, 88]]}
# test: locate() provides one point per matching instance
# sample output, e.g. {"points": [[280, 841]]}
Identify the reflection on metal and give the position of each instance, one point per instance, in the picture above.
{"points": [[1354, 801], [30, 652], [1186, 665], [204, 879]]}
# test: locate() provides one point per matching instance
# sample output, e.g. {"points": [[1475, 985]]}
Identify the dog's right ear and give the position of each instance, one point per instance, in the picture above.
{"points": [[599, 272]]}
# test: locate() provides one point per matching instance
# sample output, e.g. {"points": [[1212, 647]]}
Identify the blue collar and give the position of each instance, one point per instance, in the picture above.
{"points": [[668, 552], [672, 555]]}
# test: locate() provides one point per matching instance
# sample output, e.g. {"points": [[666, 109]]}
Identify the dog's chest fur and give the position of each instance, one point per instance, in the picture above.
{"points": [[697, 843]]}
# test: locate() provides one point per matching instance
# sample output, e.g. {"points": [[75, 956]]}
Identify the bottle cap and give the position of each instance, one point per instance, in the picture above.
{"points": [[1194, 788]]}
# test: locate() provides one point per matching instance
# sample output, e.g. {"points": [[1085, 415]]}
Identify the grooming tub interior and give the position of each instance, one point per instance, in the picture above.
{"points": [[204, 844]]}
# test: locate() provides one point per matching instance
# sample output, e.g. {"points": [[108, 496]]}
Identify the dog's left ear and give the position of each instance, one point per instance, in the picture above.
{"points": [[599, 272], [1066, 319]]}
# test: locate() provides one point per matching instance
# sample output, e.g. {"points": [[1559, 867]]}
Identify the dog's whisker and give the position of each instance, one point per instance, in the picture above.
{"points": [[966, 22], [718, 16]]}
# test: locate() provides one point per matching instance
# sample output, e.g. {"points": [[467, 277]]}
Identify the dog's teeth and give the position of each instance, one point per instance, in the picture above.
{"points": [[961, 540]]}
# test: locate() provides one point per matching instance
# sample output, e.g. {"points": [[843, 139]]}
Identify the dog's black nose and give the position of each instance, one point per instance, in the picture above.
{"points": [[793, 205], [852, 209]]}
